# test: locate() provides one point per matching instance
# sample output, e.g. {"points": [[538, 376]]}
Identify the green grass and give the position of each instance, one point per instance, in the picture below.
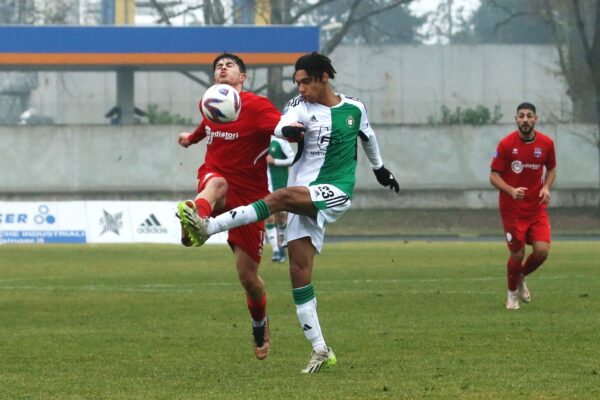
{"points": [[455, 222], [406, 319]]}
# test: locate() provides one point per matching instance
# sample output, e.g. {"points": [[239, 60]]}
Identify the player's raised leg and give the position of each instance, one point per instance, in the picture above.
{"points": [[212, 192]]}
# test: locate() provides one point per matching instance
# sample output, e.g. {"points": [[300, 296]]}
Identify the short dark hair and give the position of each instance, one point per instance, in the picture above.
{"points": [[526, 106], [230, 56], [315, 65]]}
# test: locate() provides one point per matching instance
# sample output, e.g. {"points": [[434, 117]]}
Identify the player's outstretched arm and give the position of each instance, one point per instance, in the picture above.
{"points": [[294, 132], [184, 139]]}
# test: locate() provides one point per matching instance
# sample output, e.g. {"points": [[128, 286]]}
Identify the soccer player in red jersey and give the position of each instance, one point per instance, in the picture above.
{"points": [[523, 170], [234, 173]]}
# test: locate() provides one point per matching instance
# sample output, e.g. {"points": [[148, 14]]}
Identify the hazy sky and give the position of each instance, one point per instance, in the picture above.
{"points": [[421, 7]]}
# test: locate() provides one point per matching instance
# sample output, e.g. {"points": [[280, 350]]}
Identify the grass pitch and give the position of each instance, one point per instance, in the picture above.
{"points": [[406, 319]]}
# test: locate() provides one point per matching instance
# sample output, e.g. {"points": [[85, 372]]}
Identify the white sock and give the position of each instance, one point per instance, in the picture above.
{"points": [[281, 231], [239, 216], [272, 238], [309, 322]]}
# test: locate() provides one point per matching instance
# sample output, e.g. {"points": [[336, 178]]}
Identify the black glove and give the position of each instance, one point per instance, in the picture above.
{"points": [[293, 133], [386, 178]]}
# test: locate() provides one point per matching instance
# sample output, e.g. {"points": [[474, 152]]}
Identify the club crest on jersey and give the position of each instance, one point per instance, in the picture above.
{"points": [[516, 166], [537, 152], [350, 121], [515, 150]]}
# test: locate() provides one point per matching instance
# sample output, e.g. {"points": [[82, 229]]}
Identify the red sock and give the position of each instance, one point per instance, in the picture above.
{"points": [[532, 263], [513, 273], [204, 208], [258, 308]]}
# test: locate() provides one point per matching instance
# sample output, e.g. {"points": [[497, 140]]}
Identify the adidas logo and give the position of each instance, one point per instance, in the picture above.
{"points": [[313, 119], [151, 225], [307, 327]]}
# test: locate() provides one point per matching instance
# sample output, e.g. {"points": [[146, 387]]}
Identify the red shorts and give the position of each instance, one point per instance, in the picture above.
{"points": [[519, 231], [249, 238]]}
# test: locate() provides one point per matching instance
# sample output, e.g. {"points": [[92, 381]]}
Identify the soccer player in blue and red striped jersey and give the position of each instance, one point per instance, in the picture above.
{"points": [[523, 170]]}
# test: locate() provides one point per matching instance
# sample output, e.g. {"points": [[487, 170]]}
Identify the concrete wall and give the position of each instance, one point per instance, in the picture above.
{"points": [[441, 166], [410, 84], [400, 84]]}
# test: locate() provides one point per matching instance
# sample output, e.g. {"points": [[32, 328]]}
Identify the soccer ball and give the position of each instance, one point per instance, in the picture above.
{"points": [[221, 103]]}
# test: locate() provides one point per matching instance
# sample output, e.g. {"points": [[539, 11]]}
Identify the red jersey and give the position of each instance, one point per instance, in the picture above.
{"points": [[237, 150], [521, 164]]}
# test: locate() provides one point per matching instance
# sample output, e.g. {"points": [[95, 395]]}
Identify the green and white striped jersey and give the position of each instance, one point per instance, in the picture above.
{"points": [[330, 141]]}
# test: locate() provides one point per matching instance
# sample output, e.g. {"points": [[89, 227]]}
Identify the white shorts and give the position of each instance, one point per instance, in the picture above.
{"points": [[331, 204]]}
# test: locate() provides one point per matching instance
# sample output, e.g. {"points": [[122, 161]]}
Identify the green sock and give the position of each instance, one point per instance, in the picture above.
{"points": [[304, 294], [262, 211]]}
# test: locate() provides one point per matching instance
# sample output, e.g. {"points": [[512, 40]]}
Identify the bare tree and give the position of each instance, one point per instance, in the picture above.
{"points": [[562, 18], [289, 12], [576, 26]]}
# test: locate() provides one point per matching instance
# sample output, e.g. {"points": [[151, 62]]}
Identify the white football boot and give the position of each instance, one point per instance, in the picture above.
{"points": [[512, 303], [524, 293], [319, 360]]}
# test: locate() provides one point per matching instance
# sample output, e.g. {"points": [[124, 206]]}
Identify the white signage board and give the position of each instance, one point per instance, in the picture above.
{"points": [[43, 222], [92, 222]]}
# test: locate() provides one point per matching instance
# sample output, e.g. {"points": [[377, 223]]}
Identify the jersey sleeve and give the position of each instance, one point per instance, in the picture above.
{"points": [[368, 140], [294, 112], [269, 116], [289, 154], [199, 133], [366, 132], [551, 159], [499, 159]]}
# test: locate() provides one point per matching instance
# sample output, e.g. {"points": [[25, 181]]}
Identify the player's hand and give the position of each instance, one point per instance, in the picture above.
{"points": [[386, 178], [518, 193], [270, 160], [184, 139], [294, 132], [544, 196]]}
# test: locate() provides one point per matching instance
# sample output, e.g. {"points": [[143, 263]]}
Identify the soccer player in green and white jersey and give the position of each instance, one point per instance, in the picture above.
{"points": [[326, 124], [280, 157]]}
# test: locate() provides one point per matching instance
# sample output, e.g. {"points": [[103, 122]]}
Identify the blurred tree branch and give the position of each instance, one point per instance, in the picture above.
{"points": [[288, 12]]}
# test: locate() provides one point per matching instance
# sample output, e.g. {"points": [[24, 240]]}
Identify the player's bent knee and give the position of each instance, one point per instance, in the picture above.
{"points": [[250, 282], [218, 186], [542, 254], [278, 200], [518, 255], [541, 250]]}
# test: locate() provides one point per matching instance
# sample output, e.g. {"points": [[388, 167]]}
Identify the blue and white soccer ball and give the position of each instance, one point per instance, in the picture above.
{"points": [[221, 103]]}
